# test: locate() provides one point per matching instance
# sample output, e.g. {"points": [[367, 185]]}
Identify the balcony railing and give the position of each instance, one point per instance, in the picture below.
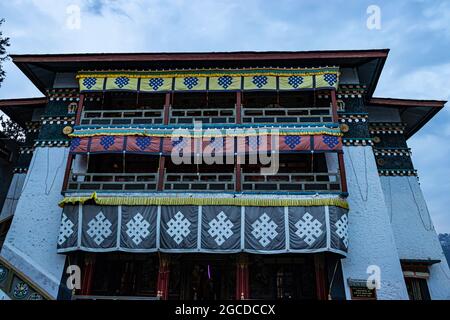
{"points": [[113, 181], [208, 182], [188, 116], [109, 117], [199, 181], [297, 182], [286, 115]]}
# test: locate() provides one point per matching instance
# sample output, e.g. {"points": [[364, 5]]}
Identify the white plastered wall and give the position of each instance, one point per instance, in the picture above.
{"points": [[14, 192], [31, 242], [371, 240], [414, 232]]}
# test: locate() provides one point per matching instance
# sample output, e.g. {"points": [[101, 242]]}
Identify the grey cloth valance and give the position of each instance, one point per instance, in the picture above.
{"points": [[211, 229]]}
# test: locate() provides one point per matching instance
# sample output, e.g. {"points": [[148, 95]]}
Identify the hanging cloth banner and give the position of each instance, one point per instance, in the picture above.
{"points": [[207, 229], [247, 79], [186, 145]]}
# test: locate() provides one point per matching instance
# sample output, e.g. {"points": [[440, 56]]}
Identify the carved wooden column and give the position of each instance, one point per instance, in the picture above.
{"points": [[321, 277], [162, 289], [242, 280], [162, 158], [88, 274]]}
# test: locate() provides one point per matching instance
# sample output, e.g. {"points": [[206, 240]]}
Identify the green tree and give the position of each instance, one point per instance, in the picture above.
{"points": [[4, 43], [9, 128]]}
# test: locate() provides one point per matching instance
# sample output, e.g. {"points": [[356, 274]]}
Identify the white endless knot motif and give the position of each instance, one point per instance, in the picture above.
{"points": [[264, 229], [220, 228], [137, 228], [99, 228], [65, 230], [178, 227], [308, 228], [342, 229]]}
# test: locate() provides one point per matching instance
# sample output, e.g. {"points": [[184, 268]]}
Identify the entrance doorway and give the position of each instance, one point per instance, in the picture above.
{"points": [[282, 277], [202, 277]]}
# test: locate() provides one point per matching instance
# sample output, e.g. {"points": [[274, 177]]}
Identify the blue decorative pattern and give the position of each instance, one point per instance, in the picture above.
{"points": [[330, 78], [295, 81], [107, 142], [143, 142], [190, 82], [292, 141], [155, 83], [216, 142], [75, 144], [20, 290], [178, 142], [122, 81], [259, 81], [89, 82], [330, 141], [225, 81], [253, 142]]}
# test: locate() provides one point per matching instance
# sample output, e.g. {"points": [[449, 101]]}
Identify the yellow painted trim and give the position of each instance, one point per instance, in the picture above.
{"points": [[155, 201]]}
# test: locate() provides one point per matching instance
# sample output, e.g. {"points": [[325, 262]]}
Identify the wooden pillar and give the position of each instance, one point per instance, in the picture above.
{"points": [[71, 156], [161, 171], [238, 176], [334, 106], [162, 289], [342, 172], [167, 108], [239, 107], [88, 274], [242, 281], [79, 109], [162, 158], [321, 278]]}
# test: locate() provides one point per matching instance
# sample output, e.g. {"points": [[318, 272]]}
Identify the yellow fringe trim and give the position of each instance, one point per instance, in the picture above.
{"points": [[203, 75], [281, 133], [156, 201]]}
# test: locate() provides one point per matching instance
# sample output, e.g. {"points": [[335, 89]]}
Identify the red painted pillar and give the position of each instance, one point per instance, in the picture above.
{"points": [[242, 281], [321, 282], [334, 106], [88, 275], [342, 172], [162, 289], [239, 107]]}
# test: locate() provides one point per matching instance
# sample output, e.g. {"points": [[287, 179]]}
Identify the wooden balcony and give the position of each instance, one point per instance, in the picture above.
{"points": [[113, 182], [110, 117], [188, 116], [295, 182], [199, 182], [287, 115], [207, 182]]}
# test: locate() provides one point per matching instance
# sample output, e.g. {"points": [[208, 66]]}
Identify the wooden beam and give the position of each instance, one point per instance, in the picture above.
{"points": [[167, 103]]}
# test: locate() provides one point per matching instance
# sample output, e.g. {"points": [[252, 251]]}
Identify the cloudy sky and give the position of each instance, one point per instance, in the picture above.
{"points": [[417, 32]]}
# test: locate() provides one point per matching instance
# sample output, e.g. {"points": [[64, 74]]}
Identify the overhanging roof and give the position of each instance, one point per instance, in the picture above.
{"points": [[41, 69], [415, 113], [21, 110]]}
